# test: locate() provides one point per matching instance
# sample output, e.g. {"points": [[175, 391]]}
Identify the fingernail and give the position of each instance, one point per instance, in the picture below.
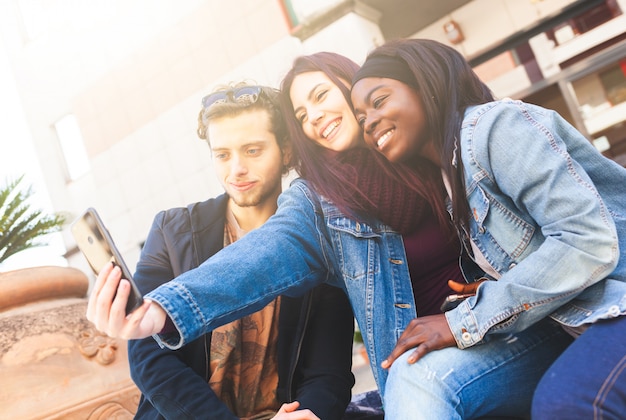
{"points": [[384, 364]]}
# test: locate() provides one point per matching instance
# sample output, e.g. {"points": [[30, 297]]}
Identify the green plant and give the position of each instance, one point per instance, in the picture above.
{"points": [[20, 225], [358, 338]]}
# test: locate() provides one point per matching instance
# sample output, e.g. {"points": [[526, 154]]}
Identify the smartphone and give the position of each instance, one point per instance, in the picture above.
{"points": [[452, 301], [96, 244]]}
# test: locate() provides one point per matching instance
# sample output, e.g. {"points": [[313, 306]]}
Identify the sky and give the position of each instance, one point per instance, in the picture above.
{"points": [[17, 156]]}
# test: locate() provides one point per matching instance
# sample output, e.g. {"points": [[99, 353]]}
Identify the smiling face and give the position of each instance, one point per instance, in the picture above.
{"points": [[247, 158], [323, 112], [392, 117]]}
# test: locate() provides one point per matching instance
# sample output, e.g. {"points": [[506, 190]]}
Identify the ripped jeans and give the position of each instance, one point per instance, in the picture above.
{"points": [[495, 378]]}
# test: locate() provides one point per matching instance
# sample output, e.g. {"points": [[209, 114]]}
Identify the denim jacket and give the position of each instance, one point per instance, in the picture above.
{"points": [[548, 212], [307, 242], [314, 331]]}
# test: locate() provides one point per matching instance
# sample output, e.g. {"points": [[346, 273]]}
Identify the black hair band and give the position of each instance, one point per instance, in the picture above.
{"points": [[387, 67]]}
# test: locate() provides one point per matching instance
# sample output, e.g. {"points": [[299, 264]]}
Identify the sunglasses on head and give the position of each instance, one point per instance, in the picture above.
{"points": [[247, 94]]}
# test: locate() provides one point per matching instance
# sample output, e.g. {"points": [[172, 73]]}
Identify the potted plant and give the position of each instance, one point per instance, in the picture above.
{"points": [[20, 225], [21, 228]]}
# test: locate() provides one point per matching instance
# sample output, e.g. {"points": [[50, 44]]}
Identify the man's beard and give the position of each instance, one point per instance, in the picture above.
{"points": [[252, 199], [248, 200]]}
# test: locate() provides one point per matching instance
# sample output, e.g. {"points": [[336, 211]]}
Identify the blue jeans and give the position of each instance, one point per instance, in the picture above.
{"points": [[588, 381], [495, 378]]}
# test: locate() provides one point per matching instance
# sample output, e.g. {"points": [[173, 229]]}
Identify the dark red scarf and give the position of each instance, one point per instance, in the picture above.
{"points": [[389, 200]]}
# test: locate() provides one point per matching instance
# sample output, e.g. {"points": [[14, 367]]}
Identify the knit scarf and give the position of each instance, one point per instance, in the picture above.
{"points": [[389, 200]]}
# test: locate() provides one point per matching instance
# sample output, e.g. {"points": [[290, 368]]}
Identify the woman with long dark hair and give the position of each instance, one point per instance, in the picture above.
{"points": [[540, 210]]}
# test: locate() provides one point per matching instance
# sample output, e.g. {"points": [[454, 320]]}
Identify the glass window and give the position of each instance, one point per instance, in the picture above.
{"points": [[302, 10], [72, 147]]}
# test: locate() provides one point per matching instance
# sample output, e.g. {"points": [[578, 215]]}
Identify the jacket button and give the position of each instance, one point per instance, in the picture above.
{"points": [[512, 265], [614, 310], [467, 337]]}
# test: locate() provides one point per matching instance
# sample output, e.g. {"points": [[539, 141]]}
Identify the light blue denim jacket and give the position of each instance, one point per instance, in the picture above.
{"points": [[534, 184], [306, 242], [548, 214]]}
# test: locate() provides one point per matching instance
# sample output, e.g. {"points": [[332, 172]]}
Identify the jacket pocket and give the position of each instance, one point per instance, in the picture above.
{"points": [[501, 235], [355, 246]]}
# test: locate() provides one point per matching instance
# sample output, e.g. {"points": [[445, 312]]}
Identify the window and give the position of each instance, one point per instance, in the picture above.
{"points": [[72, 147], [300, 11]]}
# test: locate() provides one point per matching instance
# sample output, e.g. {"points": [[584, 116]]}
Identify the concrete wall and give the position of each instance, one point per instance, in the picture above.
{"points": [[134, 72]]}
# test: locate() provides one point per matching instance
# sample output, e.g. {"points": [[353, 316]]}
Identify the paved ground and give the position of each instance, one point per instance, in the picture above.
{"points": [[362, 372]]}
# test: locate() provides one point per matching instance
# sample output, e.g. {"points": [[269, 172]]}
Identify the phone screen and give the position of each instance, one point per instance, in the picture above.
{"points": [[96, 244]]}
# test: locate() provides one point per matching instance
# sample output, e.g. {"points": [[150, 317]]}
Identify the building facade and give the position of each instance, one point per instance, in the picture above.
{"points": [[123, 80]]}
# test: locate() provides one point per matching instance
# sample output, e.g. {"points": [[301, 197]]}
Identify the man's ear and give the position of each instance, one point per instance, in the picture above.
{"points": [[287, 155]]}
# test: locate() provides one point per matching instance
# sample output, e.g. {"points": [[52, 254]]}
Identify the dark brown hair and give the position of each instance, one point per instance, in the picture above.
{"points": [[325, 171], [447, 85], [329, 177], [268, 100]]}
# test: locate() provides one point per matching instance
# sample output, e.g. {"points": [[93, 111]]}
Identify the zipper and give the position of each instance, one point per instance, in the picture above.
{"points": [[299, 347], [206, 359]]}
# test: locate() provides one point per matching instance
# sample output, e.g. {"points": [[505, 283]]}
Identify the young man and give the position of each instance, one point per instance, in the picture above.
{"points": [[294, 349]]}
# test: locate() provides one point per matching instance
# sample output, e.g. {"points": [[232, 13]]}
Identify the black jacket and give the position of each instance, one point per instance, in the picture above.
{"points": [[314, 341]]}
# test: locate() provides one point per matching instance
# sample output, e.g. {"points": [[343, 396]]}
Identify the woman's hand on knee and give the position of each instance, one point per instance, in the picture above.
{"points": [[424, 334]]}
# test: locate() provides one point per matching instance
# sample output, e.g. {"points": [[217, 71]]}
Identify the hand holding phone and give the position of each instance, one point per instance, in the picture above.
{"points": [[96, 244], [106, 308]]}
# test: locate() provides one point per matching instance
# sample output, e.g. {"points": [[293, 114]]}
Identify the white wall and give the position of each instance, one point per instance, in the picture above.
{"points": [[351, 35], [134, 76], [134, 72], [486, 22]]}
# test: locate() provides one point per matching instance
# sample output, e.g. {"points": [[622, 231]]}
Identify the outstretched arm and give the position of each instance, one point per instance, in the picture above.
{"points": [[288, 255]]}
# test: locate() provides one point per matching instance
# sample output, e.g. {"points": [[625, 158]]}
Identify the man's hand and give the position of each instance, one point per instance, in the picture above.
{"points": [[290, 412], [107, 308], [427, 333]]}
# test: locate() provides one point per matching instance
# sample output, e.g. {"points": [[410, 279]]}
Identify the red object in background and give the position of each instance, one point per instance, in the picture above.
{"points": [[622, 65], [453, 32]]}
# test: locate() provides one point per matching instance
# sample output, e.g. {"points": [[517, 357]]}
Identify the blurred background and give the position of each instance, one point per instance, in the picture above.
{"points": [[100, 97], [98, 108]]}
